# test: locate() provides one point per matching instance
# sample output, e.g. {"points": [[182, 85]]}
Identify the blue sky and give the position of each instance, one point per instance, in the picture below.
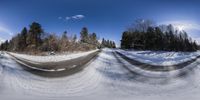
{"points": [[108, 18]]}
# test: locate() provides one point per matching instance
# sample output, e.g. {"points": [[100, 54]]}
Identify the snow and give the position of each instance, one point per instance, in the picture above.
{"points": [[159, 57], [105, 78], [53, 58]]}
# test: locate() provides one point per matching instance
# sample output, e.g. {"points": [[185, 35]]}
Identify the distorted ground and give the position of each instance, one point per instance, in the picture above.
{"points": [[107, 77]]}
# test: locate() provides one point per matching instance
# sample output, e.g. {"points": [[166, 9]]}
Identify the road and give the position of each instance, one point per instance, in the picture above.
{"points": [[56, 69], [107, 77], [158, 68]]}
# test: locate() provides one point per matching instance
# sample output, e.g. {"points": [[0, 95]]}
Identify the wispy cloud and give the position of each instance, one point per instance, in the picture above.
{"points": [[5, 31], [78, 17], [75, 17], [5, 34], [186, 25]]}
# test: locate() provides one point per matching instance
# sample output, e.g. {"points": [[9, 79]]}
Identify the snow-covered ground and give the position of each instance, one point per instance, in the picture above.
{"points": [[159, 57], [52, 58], [105, 78]]}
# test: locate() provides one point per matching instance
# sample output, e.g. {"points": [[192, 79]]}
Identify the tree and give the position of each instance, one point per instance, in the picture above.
{"points": [[36, 41], [150, 39], [141, 25], [84, 35], [159, 44], [93, 39], [126, 40], [5, 45], [14, 44], [34, 38], [107, 44], [64, 42], [51, 43], [157, 38], [22, 39]]}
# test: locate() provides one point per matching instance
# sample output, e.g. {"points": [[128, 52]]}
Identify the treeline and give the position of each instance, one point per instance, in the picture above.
{"points": [[107, 44], [35, 40], [145, 36]]}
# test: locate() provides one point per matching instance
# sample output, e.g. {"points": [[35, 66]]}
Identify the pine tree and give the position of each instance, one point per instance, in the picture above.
{"points": [[126, 40], [34, 38], [84, 35], [108, 44], [22, 39], [93, 39], [157, 38]]}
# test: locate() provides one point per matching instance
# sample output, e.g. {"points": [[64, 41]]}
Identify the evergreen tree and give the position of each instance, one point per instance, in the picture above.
{"points": [[34, 38], [84, 35], [22, 39], [157, 38], [94, 38], [107, 44]]}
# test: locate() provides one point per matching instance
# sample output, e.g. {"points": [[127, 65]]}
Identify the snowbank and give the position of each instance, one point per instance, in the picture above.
{"points": [[159, 57], [53, 58]]}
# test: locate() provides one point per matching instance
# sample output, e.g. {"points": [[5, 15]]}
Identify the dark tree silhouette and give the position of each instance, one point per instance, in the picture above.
{"points": [[157, 38]]}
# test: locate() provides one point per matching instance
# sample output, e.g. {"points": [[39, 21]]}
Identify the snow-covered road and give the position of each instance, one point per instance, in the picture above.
{"points": [[105, 78]]}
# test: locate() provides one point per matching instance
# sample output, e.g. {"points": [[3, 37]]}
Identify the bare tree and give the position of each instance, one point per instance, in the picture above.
{"points": [[141, 25]]}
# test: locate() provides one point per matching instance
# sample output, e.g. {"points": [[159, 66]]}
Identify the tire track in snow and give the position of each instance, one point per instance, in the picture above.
{"points": [[172, 86], [164, 71], [74, 85], [124, 83], [117, 78], [158, 68]]}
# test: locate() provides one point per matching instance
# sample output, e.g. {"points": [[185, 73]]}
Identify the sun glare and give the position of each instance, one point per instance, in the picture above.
{"points": [[180, 28]]}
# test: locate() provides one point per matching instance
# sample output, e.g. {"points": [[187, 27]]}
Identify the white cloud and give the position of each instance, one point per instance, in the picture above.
{"points": [[75, 17], [78, 17], [186, 25]]}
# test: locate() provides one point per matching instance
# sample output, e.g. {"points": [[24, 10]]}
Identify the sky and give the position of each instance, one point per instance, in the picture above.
{"points": [[107, 18]]}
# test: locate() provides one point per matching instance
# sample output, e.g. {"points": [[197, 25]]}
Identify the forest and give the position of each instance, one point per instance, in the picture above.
{"points": [[35, 40], [145, 35]]}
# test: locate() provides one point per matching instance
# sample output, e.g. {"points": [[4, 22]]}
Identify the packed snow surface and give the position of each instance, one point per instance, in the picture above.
{"points": [[159, 57], [105, 78], [52, 58]]}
